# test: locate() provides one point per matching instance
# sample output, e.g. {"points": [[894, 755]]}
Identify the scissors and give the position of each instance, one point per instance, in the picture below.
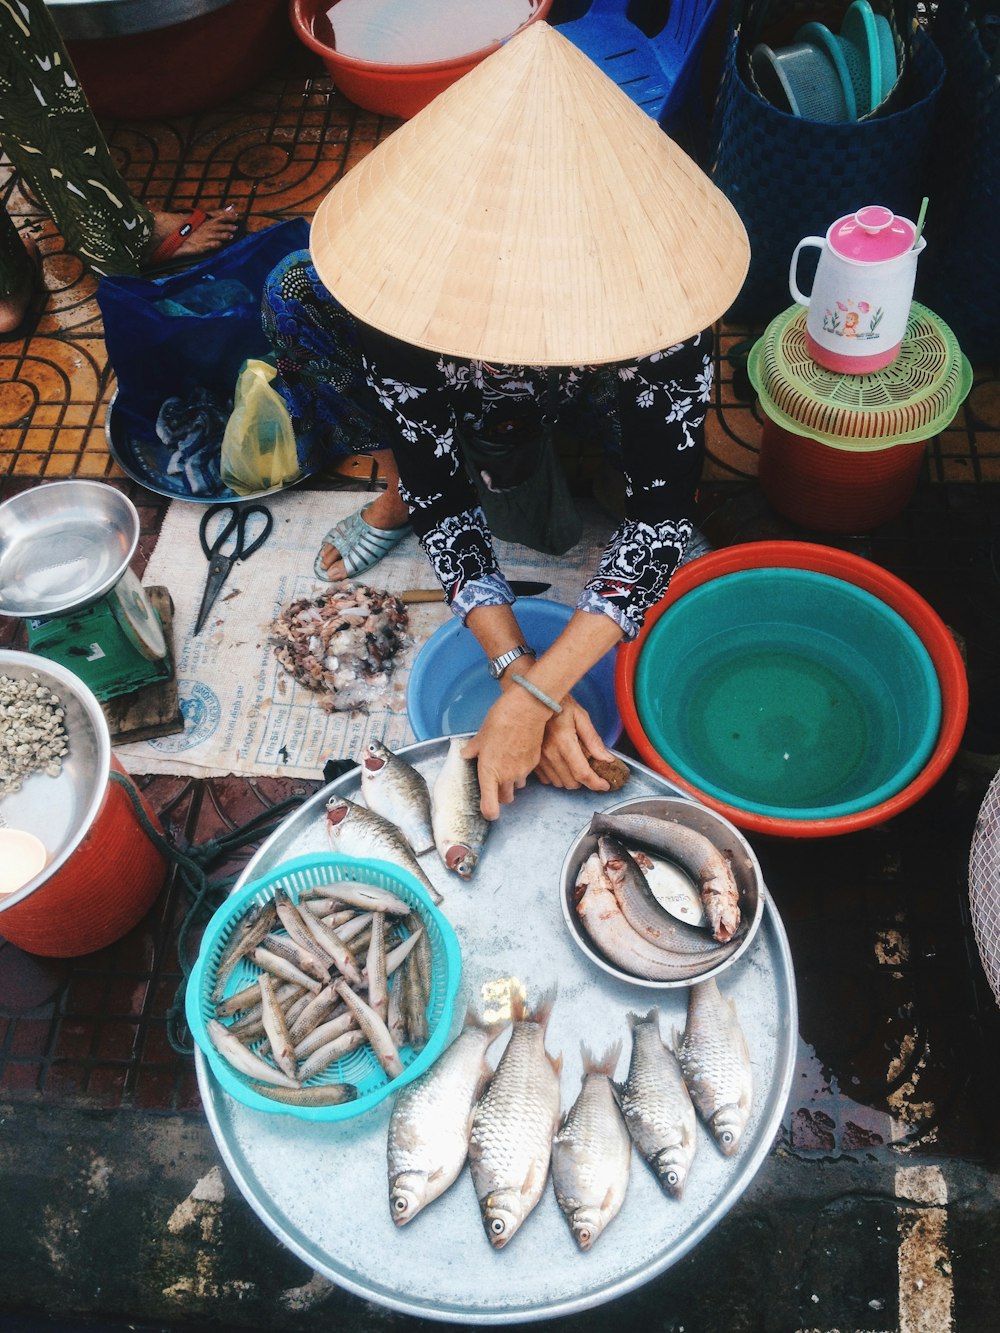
{"points": [[220, 563]]}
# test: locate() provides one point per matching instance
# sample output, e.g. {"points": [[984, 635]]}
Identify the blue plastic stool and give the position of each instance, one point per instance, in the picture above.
{"points": [[656, 72]]}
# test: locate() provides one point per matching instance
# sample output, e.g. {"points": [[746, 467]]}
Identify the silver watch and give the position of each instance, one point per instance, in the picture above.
{"points": [[498, 665]]}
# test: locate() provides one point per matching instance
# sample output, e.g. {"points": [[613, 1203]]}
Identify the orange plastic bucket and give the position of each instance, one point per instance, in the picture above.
{"points": [[104, 870], [836, 490]]}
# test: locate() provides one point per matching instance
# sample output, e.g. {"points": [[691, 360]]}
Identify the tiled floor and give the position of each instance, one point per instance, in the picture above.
{"points": [[895, 1013]]}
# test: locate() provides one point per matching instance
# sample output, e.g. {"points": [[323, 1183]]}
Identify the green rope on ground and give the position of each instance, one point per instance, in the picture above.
{"points": [[205, 894]]}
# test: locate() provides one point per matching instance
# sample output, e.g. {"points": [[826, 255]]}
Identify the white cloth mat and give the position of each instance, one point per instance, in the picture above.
{"points": [[243, 713]]}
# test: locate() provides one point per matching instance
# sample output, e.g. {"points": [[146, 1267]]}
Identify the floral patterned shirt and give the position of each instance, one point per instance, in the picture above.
{"points": [[650, 412]]}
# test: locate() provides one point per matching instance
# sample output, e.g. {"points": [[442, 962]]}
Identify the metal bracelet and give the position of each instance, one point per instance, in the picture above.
{"points": [[540, 695]]}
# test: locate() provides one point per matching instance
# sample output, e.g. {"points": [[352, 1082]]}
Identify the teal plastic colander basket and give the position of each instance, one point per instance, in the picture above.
{"points": [[360, 1067]]}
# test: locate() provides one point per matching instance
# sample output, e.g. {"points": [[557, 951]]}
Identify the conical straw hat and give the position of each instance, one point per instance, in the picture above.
{"points": [[531, 214]]}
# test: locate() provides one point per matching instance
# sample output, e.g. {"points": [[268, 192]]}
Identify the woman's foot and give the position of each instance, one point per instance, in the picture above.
{"points": [[180, 236], [13, 308], [387, 513]]}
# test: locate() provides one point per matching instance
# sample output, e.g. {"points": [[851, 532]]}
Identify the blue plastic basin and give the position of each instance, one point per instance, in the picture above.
{"points": [[788, 693], [450, 690]]}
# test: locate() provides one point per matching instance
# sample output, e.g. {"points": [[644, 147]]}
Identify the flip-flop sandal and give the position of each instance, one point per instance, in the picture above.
{"points": [[360, 545], [162, 261]]}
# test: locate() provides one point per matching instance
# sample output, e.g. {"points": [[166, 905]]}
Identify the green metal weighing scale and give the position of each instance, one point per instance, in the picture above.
{"points": [[65, 549], [116, 645]]}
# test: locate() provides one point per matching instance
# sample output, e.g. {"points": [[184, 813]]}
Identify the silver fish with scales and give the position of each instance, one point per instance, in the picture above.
{"points": [[592, 1152], [716, 1062], [657, 1106], [460, 830], [431, 1120], [510, 1147], [396, 791], [356, 831]]}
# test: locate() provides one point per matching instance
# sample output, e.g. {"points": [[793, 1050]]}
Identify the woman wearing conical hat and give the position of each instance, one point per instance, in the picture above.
{"points": [[530, 245]]}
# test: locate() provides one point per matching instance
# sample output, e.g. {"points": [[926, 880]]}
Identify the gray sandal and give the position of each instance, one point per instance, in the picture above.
{"points": [[360, 545]]}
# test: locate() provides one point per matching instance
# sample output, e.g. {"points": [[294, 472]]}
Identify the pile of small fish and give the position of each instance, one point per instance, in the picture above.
{"points": [[346, 965], [631, 902], [508, 1125], [404, 817], [342, 644]]}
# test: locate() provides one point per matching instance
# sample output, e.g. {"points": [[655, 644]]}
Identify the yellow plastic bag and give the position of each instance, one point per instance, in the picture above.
{"points": [[258, 447]]}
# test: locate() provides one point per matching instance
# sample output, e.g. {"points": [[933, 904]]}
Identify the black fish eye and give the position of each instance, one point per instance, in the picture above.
{"points": [[399, 1203], [727, 1136], [497, 1226], [673, 1177]]}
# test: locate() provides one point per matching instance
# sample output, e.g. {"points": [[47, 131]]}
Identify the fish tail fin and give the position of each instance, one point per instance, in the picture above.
{"points": [[542, 1011], [492, 1027], [605, 1064], [651, 1016]]}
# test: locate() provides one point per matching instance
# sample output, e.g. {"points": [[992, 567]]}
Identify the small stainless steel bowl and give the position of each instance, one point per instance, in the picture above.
{"points": [[63, 546], [724, 835]]}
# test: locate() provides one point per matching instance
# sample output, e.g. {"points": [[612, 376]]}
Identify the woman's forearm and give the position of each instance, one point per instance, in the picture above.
{"points": [[557, 670]]}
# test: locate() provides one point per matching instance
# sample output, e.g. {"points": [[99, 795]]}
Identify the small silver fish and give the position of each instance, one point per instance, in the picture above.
{"points": [[657, 1106], [592, 1152], [319, 1094], [256, 922], [510, 1146], [716, 1063], [356, 831], [641, 909], [459, 827], [605, 924], [396, 791], [431, 1121], [710, 868]]}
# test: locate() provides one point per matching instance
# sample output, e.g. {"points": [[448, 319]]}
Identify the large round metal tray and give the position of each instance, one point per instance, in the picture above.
{"points": [[322, 1190]]}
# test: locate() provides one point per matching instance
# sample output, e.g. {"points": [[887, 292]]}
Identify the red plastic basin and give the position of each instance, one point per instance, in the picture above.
{"points": [[390, 90], [921, 617]]}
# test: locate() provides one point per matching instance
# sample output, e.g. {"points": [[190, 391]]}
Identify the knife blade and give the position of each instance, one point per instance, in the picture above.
{"points": [[519, 587]]}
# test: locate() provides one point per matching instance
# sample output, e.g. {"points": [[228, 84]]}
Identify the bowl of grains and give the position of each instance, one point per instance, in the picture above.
{"points": [[99, 867]]}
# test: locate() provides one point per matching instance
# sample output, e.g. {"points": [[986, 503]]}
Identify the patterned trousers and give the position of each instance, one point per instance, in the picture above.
{"points": [[55, 145]]}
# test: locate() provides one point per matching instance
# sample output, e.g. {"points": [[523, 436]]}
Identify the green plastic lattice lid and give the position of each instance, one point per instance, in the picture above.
{"points": [[911, 399]]}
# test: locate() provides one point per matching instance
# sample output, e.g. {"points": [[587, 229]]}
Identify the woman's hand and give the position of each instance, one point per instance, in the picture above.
{"points": [[569, 739], [520, 736]]}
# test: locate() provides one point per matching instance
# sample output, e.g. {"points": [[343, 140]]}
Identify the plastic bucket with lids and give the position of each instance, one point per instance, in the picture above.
{"points": [[103, 870]]}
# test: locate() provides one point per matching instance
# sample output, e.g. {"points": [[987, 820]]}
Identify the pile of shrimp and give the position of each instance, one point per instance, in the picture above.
{"points": [[342, 644]]}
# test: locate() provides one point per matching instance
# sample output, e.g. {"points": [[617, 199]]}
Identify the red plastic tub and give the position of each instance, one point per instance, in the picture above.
{"points": [[170, 68], [105, 867], [103, 889], [921, 617], [836, 490], [390, 90]]}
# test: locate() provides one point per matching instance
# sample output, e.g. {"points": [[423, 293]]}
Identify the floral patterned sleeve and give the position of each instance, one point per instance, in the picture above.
{"points": [[662, 402], [654, 411], [424, 394]]}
